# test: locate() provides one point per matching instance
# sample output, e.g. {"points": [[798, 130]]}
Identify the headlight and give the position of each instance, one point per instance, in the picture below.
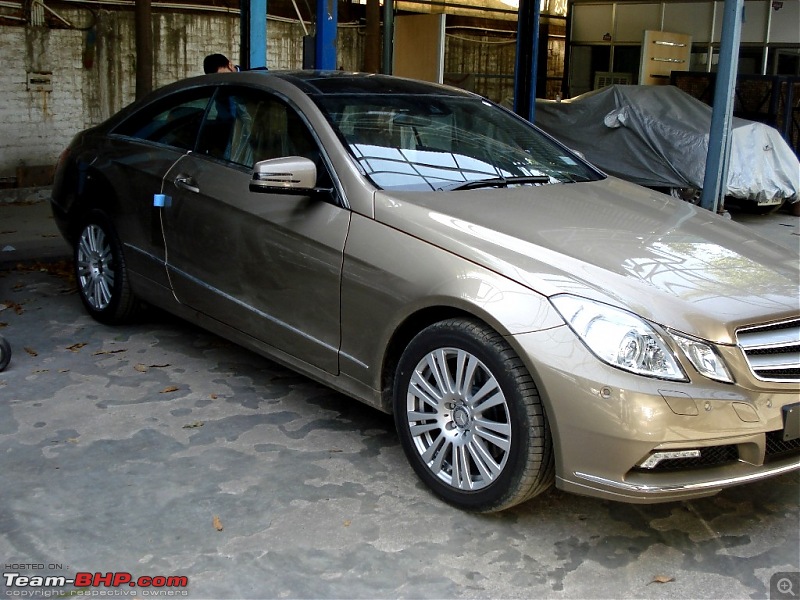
{"points": [[619, 338], [703, 357]]}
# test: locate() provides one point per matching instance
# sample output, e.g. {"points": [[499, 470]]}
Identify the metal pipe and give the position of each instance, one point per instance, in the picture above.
{"points": [[131, 3], [710, 54], [767, 33], [388, 36], [444, 4], [144, 48], [300, 17]]}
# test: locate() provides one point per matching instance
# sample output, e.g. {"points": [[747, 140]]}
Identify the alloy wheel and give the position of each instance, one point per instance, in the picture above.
{"points": [[459, 419], [95, 267]]}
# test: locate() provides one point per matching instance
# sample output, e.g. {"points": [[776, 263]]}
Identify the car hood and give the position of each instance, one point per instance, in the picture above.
{"points": [[668, 261]]}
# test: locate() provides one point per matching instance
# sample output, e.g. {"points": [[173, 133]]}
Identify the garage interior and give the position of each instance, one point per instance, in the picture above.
{"points": [[72, 64], [319, 510]]}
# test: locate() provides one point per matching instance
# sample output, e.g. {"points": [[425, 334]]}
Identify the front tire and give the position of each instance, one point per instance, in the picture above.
{"points": [[470, 419], [101, 273]]}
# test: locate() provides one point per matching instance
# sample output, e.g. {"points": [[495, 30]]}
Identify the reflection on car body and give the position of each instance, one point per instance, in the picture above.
{"points": [[526, 319]]}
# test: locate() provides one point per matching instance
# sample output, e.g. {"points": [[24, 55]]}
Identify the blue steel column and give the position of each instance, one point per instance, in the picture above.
{"points": [[258, 34], [528, 17], [325, 43], [719, 141]]}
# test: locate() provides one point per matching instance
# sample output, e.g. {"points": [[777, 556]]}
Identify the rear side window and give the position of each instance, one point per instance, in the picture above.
{"points": [[173, 121]]}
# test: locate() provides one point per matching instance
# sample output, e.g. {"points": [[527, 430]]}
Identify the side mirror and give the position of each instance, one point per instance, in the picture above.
{"points": [[286, 175]]}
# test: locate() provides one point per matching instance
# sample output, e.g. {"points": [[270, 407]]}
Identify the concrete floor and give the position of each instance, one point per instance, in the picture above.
{"points": [[158, 449]]}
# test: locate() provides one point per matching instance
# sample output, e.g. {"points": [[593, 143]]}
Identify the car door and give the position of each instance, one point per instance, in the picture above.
{"points": [[140, 150], [267, 264]]}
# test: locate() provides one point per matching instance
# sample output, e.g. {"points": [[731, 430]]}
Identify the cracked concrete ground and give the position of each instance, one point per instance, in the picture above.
{"points": [[158, 449]]}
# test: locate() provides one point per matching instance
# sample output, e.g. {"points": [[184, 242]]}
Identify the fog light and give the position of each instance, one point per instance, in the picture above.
{"points": [[657, 457]]}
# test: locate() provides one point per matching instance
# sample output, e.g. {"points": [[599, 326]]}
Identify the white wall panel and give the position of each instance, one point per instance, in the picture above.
{"points": [[634, 19], [591, 22], [785, 26], [693, 18], [754, 26]]}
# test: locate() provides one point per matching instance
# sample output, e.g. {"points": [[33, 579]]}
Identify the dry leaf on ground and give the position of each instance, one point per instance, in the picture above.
{"points": [[217, 523], [169, 389], [144, 368], [15, 306]]}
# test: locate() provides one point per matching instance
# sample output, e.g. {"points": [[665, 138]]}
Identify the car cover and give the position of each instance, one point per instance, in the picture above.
{"points": [[657, 136]]}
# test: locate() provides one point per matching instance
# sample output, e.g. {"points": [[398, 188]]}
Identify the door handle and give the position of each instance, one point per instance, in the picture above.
{"points": [[187, 183]]}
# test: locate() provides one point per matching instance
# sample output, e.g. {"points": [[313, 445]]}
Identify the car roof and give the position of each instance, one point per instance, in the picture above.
{"points": [[343, 82], [309, 82]]}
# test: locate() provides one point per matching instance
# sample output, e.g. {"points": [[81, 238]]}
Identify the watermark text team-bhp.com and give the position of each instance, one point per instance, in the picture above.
{"points": [[113, 583], [782, 586]]}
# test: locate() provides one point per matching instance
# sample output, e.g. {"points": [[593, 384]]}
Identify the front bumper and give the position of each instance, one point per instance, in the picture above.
{"points": [[695, 485], [606, 422]]}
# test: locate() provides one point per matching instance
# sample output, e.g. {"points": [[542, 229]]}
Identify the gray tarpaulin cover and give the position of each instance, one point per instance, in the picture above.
{"points": [[658, 136]]}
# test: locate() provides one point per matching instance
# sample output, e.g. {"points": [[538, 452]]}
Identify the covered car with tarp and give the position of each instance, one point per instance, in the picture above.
{"points": [[657, 136]]}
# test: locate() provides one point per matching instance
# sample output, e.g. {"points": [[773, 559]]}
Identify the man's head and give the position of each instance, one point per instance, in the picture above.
{"points": [[217, 63]]}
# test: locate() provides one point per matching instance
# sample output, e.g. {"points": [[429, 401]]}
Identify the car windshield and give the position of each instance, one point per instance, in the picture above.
{"points": [[427, 142]]}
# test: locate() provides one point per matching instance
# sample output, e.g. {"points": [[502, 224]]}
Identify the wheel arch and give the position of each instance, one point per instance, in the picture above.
{"points": [[415, 322], [92, 191], [402, 335]]}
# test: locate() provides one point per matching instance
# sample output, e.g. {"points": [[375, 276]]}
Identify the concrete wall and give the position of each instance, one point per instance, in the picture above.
{"points": [[34, 125], [93, 75]]}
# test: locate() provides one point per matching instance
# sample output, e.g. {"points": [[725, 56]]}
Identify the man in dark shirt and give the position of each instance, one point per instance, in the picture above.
{"points": [[218, 63]]}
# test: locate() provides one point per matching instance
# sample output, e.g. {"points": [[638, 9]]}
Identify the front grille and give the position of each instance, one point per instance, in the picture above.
{"points": [[712, 456], [777, 448], [772, 351]]}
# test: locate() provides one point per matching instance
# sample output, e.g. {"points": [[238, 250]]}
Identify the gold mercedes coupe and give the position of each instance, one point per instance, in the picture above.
{"points": [[527, 320]]}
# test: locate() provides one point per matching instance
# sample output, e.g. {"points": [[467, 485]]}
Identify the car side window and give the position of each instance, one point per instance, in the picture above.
{"points": [[227, 127], [246, 126], [174, 121]]}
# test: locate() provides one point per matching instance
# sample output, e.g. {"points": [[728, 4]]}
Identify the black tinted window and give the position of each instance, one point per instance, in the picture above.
{"points": [[245, 126], [174, 121]]}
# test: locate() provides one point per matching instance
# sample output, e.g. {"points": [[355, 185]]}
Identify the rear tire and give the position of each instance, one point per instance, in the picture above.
{"points": [[101, 273], [470, 419]]}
